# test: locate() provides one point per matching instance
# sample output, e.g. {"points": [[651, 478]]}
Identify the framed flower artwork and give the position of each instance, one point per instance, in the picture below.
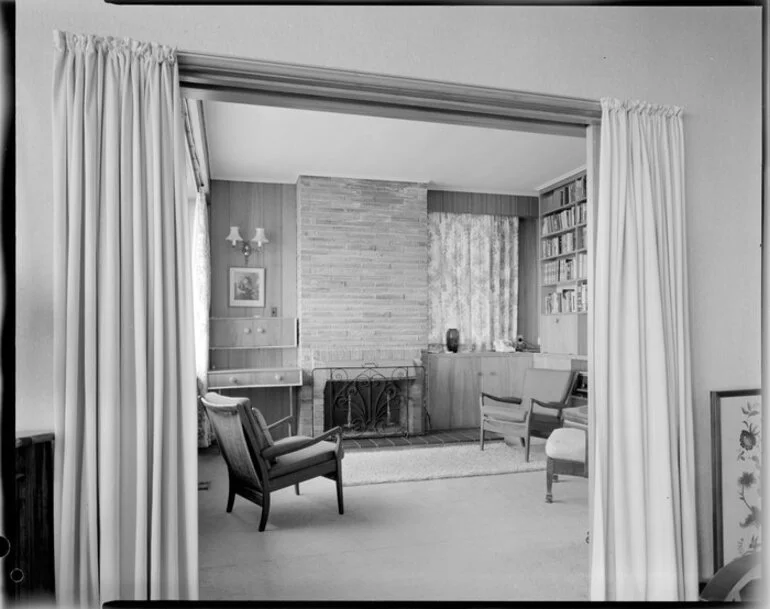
{"points": [[247, 287], [736, 457]]}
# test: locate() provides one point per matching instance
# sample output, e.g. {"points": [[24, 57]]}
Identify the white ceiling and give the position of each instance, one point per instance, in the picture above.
{"points": [[265, 144]]}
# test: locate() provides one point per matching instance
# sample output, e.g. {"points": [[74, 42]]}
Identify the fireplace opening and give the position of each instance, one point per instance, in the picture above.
{"points": [[369, 401]]}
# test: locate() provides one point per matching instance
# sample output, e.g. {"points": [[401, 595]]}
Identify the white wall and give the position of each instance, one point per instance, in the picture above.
{"points": [[705, 59]]}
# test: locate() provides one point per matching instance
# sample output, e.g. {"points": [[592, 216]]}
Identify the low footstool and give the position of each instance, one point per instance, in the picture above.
{"points": [[567, 453]]}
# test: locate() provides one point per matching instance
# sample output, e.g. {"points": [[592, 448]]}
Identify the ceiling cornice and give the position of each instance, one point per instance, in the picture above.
{"points": [[221, 78]]}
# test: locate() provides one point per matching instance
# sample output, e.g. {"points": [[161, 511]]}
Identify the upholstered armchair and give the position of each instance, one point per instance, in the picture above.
{"points": [[566, 450], [537, 412], [257, 465]]}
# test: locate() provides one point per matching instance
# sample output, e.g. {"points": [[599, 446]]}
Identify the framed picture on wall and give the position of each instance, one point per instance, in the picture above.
{"points": [[247, 287], [736, 454]]}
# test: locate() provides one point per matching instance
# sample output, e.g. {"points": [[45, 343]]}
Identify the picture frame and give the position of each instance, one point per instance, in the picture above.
{"points": [[736, 459], [247, 287]]}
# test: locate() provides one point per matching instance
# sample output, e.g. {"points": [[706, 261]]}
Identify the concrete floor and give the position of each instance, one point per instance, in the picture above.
{"points": [[466, 539]]}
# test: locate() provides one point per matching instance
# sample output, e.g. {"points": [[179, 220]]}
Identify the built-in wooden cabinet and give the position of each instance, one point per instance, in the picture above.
{"points": [[563, 333], [254, 334], [453, 384], [255, 377], [564, 266]]}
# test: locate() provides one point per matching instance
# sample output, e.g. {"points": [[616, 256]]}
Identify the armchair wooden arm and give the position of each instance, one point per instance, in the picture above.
{"points": [[271, 452], [552, 405], [289, 420], [504, 399]]}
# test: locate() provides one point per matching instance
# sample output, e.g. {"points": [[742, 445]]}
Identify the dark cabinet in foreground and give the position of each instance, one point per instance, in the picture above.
{"points": [[29, 568]]}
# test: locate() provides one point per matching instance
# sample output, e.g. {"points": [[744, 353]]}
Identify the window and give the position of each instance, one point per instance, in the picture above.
{"points": [[473, 268]]}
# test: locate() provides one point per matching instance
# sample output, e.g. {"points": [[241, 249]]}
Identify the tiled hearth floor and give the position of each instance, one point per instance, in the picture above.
{"points": [[431, 438]]}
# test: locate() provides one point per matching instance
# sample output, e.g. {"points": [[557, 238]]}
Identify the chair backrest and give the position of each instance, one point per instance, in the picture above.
{"points": [[547, 385], [234, 427], [255, 423]]}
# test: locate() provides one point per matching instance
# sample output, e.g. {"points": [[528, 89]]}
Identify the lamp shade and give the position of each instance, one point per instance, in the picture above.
{"points": [[259, 237], [234, 236]]}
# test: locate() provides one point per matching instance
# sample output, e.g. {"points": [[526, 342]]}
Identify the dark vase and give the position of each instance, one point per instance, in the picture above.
{"points": [[452, 340]]}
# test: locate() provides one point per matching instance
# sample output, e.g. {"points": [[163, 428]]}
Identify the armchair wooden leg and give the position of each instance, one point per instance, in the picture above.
{"points": [[549, 475], [230, 498], [526, 449], [296, 489], [338, 480], [265, 510], [481, 435]]}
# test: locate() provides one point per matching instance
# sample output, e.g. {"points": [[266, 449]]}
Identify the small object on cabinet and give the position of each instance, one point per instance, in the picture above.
{"points": [[502, 346], [452, 340]]}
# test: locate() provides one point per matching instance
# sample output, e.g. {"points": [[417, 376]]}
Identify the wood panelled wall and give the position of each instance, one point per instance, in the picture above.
{"points": [[482, 203], [527, 209], [248, 205], [529, 303]]}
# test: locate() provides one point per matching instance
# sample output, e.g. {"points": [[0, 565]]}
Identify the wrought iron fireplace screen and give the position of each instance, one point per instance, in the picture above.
{"points": [[367, 400]]}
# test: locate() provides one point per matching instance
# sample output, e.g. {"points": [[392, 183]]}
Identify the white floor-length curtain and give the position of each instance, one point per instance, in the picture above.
{"points": [[644, 544], [125, 491], [473, 277], [201, 279]]}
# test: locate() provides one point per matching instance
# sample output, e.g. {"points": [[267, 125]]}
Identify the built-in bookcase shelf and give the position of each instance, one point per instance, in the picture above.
{"points": [[564, 266]]}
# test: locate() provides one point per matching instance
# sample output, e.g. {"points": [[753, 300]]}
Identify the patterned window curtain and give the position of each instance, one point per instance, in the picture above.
{"points": [[201, 276], [473, 285]]}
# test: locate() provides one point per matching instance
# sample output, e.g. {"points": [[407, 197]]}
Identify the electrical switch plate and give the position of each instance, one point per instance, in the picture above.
{"points": [[274, 312]]}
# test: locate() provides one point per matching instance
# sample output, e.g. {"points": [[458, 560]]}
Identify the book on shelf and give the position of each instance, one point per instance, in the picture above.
{"points": [[568, 301], [582, 265], [581, 213], [558, 221], [553, 303], [580, 237], [581, 302], [574, 191], [551, 272], [567, 269]]}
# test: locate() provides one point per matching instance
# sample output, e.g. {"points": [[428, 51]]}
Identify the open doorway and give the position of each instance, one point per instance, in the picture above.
{"points": [[254, 159]]}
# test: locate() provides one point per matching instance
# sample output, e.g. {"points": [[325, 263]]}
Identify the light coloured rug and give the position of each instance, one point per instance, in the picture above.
{"points": [[432, 462]]}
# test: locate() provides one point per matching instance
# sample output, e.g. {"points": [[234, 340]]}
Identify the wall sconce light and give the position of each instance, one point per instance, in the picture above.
{"points": [[259, 239]]}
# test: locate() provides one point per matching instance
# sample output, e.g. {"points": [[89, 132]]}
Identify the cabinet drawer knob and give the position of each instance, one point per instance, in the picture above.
{"points": [[278, 377], [261, 330], [247, 330], [234, 380]]}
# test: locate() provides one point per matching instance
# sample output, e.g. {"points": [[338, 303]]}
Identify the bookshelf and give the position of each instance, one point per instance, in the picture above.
{"points": [[564, 266]]}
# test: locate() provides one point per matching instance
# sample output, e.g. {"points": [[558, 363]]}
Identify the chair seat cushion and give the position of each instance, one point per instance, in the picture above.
{"points": [[306, 457], [512, 414], [290, 441], [567, 444], [577, 415]]}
